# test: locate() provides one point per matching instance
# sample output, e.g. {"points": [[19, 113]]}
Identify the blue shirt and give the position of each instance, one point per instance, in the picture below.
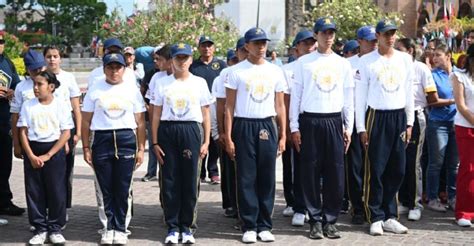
{"points": [[445, 91], [207, 71], [8, 78]]}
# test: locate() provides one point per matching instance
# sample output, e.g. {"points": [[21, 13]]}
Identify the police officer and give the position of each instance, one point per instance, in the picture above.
{"points": [[254, 95], [8, 81], [208, 67], [181, 105], [321, 120], [354, 161], [384, 117], [293, 193], [113, 108]]}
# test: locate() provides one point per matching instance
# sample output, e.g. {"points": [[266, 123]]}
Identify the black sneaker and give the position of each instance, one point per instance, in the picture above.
{"points": [[230, 213], [316, 231], [12, 210], [330, 231], [345, 207], [357, 219], [147, 178]]}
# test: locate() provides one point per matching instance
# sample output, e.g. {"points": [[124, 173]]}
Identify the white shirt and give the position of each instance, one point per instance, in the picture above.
{"points": [[289, 75], [150, 93], [468, 84], [24, 92], [256, 86], [98, 74], [45, 122], [68, 88], [182, 100], [218, 86], [385, 84], [114, 106], [423, 84], [322, 84]]}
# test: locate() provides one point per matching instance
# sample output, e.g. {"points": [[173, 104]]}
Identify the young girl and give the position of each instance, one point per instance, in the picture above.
{"points": [[44, 126]]}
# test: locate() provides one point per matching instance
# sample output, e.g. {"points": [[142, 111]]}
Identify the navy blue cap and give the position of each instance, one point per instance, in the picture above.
{"points": [[255, 34], [33, 60], [385, 25], [351, 45], [114, 58], [303, 35], [181, 49], [112, 42], [205, 39], [366, 33], [324, 23], [231, 54], [240, 43]]}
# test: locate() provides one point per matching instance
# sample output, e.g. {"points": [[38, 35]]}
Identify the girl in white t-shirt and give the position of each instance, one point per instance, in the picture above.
{"points": [[181, 106], [44, 125]]}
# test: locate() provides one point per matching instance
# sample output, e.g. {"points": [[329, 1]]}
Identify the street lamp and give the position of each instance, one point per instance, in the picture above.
{"points": [[258, 12]]}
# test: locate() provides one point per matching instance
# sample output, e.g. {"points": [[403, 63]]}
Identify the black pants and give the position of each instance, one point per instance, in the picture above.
{"points": [[181, 143], [113, 156], [45, 189], [355, 174], [384, 162], [411, 189], [292, 189], [229, 199], [6, 154], [70, 168], [255, 154], [211, 161], [322, 156]]}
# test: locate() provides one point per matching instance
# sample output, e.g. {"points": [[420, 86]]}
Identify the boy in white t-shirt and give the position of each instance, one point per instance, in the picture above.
{"points": [[44, 126]]}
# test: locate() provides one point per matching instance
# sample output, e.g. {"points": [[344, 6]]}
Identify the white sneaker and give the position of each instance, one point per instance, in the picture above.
{"points": [[464, 223], [120, 237], [188, 238], [172, 238], [436, 205], [249, 237], [266, 236], [402, 209], [392, 225], [57, 238], [3, 222], [376, 228], [298, 219], [414, 214], [288, 212], [107, 237], [38, 239]]}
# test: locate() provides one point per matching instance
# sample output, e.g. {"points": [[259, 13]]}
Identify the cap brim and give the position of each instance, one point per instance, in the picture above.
{"points": [[118, 62], [182, 53], [116, 45], [35, 66], [328, 28], [207, 41], [389, 28], [257, 39]]}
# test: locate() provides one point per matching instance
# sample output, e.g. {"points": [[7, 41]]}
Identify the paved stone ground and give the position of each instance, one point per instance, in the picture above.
{"points": [[214, 229]]}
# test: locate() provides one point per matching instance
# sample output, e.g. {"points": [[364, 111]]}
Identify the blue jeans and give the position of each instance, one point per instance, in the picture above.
{"points": [[152, 160], [442, 150]]}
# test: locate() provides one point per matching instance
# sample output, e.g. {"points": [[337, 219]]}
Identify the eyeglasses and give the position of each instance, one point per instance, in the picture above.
{"points": [[2, 41]]}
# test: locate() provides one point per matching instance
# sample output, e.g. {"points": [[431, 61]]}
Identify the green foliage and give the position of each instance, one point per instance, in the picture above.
{"points": [[13, 46], [350, 15], [171, 23]]}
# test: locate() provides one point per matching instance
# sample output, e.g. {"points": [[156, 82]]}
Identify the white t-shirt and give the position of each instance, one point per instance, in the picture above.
{"points": [[218, 87], [385, 84], [182, 99], [423, 84], [150, 93], [45, 122], [468, 84], [114, 106], [323, 83], [98, 74], [24, 92], [289, 75], [256, 86]]}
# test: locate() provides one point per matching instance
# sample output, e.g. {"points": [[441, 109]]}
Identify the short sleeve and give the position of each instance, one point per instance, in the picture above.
{"points": [[231, 81], [17, 101], [460, 75], [138, 104], [74, 90], [427, 80], [23, 117], [65, 118], [206, 97], [281, 82], [218, 89], [88, 103]]}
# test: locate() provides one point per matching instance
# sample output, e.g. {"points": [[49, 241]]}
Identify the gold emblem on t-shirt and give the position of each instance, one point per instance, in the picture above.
{"points": [[326, 80], [180, 107], [215, 66]]}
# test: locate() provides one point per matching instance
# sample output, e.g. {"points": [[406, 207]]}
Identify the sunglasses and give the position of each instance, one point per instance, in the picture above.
{"points": [[2, 41]]}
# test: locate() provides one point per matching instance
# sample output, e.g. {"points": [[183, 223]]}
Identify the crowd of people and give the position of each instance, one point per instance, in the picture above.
{"points": [[385, 128]]}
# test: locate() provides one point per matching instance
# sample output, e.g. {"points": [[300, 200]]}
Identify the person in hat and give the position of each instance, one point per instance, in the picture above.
{"points": [[111, 45], [44, 128], [181, 110], [208, 67], [292, 189], [229, 202], [254, 96], [129, 53], [321, 120], [113, 110], [354, 161], [232, 58], [351, 48], [8, 81], [384, 120]]}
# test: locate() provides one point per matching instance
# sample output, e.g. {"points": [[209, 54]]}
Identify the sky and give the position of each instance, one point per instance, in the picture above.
{"points": [[125, 5]]}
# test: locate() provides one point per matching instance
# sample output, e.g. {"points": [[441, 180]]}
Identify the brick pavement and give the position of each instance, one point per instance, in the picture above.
{"points": [[214, 229]]}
